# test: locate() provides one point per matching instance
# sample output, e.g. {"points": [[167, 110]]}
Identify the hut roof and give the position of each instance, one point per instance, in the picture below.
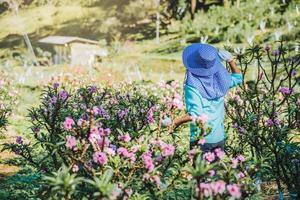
{"points": [[65, 40]]}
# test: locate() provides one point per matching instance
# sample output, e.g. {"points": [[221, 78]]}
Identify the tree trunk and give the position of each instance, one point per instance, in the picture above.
{"points": [[238, 3], [193, 8], [226, 3], [157, 21]]}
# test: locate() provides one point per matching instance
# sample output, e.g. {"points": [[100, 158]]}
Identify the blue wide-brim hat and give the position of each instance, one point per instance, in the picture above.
{"points": [[201, 59]]}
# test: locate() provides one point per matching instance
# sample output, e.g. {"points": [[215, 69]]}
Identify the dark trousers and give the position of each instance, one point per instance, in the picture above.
{"points": [[209, 147]]}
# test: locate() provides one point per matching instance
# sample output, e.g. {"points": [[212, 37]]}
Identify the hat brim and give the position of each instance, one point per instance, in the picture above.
{"points": [[189, 61]]}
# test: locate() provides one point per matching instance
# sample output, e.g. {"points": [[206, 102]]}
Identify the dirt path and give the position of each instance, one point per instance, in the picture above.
{"points": [[5, 169]]}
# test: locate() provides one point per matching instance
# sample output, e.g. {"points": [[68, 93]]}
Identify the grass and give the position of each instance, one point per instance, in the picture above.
{"points": [[32, 20]]}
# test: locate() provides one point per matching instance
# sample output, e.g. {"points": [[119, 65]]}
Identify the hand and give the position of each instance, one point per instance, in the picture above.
{"points": [[166, 122], [225, 55]]}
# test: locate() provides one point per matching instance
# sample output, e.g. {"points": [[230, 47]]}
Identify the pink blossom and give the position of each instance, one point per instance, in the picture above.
{"points": [[191, 155], [240, 175], [286, 90], [68, 123], [135, 148], [93, 137], [176, 102], [71, 142], [131, 156], [116, 192], [141, 139], [234, 163], [146, 176], [81, 122], [148, 162], [19, 140], [234, 191], [201, 141], [122, 151], [150, 115], [241, 158], [95, 130], [125, 138], [156, 142], [75, 168], [63, 95], [206, 188], [156, 180], [218, 187], [128, 191], [109, 151], [269, 123], [100, 158], [125, 153], [168, 150], [103, 141], [209, 156], [219, 153], [211, 172], [159, 158], [175, 84], [189, 177], [106, 132]]}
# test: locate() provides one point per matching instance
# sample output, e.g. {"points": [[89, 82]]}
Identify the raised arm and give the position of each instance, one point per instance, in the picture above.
{"points": [[225, 55], [233, 67]]}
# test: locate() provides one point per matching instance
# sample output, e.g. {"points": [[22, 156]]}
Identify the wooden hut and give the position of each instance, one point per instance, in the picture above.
{"points": [[74, 50]]}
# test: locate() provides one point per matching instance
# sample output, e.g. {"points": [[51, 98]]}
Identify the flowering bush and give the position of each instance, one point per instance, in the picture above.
{"points": [[7, 100], [265, 112], [214, 175], [112, 143]]}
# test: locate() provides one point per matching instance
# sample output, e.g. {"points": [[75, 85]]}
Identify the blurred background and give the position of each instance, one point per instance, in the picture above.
{"points": [[125, 40], [131, 39]]}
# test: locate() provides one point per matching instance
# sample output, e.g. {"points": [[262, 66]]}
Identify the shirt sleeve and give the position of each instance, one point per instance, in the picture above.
{"points": [[192, 101], [236, 79]]}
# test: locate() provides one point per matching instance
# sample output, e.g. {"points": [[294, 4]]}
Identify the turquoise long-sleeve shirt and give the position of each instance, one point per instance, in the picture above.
{"points": [[196, 105]]}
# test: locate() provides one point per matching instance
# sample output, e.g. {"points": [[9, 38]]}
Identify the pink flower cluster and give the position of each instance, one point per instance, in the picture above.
{"points": [[148, 161], [71, 142], [219, 188], [200, 119], [174, 102], [234, 191], [122, 151], [125, 138], [235, 161], [153, 179], [286, 90], [100, 158], [99, 136], [150, 115], [167, 149], [177, 101], [213, 188], [68, 123], [211, 156], [270, 122]]}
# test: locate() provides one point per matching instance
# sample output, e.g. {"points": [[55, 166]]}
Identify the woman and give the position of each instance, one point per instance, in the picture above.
{"points": [[207, 82]]}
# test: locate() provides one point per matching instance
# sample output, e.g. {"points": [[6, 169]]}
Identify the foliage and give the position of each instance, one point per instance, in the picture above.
{"points": [[265, 112], [112, 143], [23, 185], [7, 100], [253, 21]]}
